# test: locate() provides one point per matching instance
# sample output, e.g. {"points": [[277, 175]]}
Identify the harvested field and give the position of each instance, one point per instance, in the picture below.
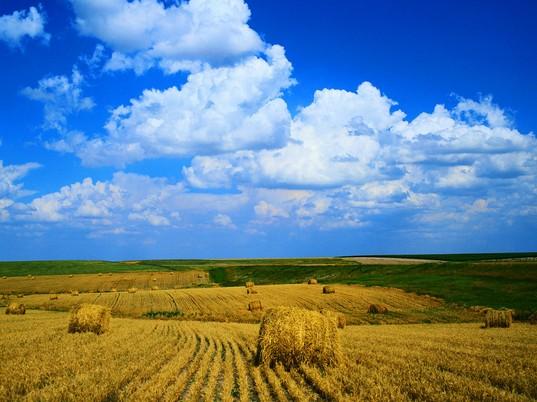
{"points": [[182, 360], [95, 282], [231, 304]]}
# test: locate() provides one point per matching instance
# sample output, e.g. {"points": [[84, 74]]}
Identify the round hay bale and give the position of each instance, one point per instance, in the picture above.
{"points": [[53, 297], [16, 308], [132, 290], [154, 279], [377, 309], [498, 318], [113, 290], [338, 318], [328, 289], [110, 274], [155, 288], [292, 336], [20, 295], [4, 277], [255, 305], [251, 291], [312, 281], [249, 284], [100, 274], [74, 293], [70, 276], [89, 318], [32, 278], [532, 319]]}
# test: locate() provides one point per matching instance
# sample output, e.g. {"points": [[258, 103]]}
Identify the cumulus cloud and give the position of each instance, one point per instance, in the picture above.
{"points": [[351, 138], [177, 36], [61, 97], [339, 139], [361, 159], [217, 110], [10, 187], [21, 24], [128, 201], [224, 221]]}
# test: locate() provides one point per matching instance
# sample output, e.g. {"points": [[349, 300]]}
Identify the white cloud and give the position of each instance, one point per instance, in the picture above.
{"points": [[85, 199], [23, 23], [224, 221], [346, 138], [151, 217], [10, 188], [178, 36], [128, 201], [61, 96], [264, 209], [338, 139], [216, 110], [360, 161]]}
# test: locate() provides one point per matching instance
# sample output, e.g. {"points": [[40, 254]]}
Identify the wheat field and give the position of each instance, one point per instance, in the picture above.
{"points": [[231, 303], [173, 360], [104, 282]]}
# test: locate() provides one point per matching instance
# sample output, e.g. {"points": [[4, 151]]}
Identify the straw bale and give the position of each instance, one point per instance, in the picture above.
{"points": [[16, 308], [255, 305], [249, 284], [377, 309], [498, 318], [312, 281], [89, 318], [328, 289]]}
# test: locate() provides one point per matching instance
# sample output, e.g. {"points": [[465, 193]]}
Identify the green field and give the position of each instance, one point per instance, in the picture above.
{"points": [[507, 283]]}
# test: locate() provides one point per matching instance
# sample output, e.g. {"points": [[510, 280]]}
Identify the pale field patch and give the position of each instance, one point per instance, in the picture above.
{"points": [[183, 360], [390, 260]]}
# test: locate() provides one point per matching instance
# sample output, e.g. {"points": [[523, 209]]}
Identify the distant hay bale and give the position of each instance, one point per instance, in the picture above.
{"points": [[29, 276], [100, 274], [20, 295], [498, 318], [255, 305], [70, 276], [32, 278], [154, 279], [532, 319], [132, 290], [113, 290], [201, 276], [312, 281], [251, 291], [249, 284], [89, 318], [293, 336], [16, 308], [110, 274], [4, 277], [328, 289], [377, 309], [74, 293], [338, 318], [53, 297], [155, 288]]}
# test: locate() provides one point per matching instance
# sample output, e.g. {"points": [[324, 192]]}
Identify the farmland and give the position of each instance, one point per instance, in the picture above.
{"points": [[230, 303], [182, 330], [184, 360], [509, 282]]}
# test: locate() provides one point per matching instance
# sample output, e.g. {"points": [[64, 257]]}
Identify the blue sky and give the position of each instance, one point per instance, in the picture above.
{"points": [[224, 128]]}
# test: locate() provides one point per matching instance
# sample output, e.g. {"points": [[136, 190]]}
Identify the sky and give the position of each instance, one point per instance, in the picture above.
{"points": [[231, 128]]}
